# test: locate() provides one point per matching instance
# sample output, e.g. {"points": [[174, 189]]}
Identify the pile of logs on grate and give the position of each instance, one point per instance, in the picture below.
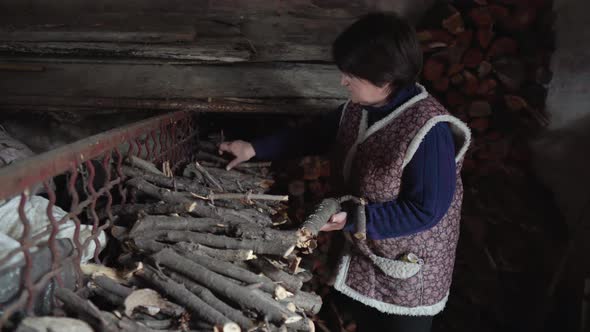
{"points": [[204, 251]]}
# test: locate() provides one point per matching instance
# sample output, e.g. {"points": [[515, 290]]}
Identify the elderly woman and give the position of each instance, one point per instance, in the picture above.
{"points": [[398, 148]]}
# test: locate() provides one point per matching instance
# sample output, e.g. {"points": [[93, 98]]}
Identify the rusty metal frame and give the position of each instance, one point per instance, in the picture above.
{"points": [[23, 174], [169, 137]]}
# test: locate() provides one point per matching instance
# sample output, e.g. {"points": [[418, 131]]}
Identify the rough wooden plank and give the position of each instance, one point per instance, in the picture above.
{"points": [[225, 105], [272, 80], [204, 50], [226, 49], [99, 28]]}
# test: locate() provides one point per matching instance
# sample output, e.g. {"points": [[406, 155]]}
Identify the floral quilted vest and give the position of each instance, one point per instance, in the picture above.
{"points": [[408, 275]]}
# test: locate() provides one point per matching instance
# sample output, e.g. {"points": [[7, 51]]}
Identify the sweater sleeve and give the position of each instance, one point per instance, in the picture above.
{"points": [[315, 138], [428, 187]]}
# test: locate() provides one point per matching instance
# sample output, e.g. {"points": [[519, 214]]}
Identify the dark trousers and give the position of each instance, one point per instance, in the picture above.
{"points": [[369, 319]]}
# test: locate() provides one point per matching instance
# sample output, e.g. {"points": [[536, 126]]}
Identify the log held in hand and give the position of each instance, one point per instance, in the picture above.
{"points": [[322, 213]]}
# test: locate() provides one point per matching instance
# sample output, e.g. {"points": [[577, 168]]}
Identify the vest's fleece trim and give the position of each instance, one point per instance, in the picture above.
{"points": [[458, 128], [340, 285], [397, 112], [352, 152], [365, 131], [395, 268]]}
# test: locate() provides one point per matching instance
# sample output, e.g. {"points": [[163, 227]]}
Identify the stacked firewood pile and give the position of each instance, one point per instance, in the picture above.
{"points": [[488, 62], [205, 251]]}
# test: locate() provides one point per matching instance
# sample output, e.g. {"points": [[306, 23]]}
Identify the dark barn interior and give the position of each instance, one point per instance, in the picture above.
{"points": [[116, 213]]}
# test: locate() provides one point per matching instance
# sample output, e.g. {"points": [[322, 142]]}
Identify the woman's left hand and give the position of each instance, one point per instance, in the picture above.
{"points": [[335, 223]]}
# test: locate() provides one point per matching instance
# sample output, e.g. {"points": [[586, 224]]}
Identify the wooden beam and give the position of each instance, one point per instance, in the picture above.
{"points": [[99, 28], [224, 105], [105, 80], [205, 50], [225, 49]]}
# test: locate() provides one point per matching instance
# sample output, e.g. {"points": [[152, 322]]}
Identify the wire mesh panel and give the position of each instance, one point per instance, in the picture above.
{"points": [[57, 205]]}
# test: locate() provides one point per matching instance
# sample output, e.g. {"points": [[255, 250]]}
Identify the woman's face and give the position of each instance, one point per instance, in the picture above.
{"points": [[364, 92]]}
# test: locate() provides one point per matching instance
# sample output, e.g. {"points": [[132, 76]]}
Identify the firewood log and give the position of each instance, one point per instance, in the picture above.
{"points": [[218, 284]]}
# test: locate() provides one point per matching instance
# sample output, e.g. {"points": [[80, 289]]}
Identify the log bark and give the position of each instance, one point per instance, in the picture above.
{"points": [[288, 307], [242, 296], [235, 181], [305, 276], [198, 208], [289, 281], [85, 309], [229, 255], [120, 233], [110, 290], [149, 209], [147, 244], [220, 241], [304, 325], [207, 296], [162, 194], [310, 303], [311, 226], [359, 215], [112, 286], [143, 165], [202, 209], [248, 197], [257, 232], [235, 272], [152, 323], [322, 213], [155, 223], [125, 324], [208, 177], [183, 296], [166, 182]]}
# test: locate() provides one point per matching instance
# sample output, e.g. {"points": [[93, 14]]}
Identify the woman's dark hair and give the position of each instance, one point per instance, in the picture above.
{"points": [[380, 48]]}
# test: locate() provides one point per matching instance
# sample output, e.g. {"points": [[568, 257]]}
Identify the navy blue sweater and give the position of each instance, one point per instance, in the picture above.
{"points": [[428, 180]]}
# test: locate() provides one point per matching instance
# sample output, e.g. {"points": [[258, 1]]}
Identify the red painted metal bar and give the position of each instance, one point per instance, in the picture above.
{"points": [[23, 174]]}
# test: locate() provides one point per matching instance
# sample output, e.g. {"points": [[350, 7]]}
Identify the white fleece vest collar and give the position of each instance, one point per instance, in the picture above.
{"points": [[365, 131]]}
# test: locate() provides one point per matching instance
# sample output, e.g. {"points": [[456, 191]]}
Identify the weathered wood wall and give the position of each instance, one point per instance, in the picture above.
{"points": [[174, 50]]}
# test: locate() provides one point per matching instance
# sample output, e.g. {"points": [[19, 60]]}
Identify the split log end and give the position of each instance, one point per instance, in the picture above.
{"points": [[293, 319], [281, 293], [228, 327], [360, 236]]}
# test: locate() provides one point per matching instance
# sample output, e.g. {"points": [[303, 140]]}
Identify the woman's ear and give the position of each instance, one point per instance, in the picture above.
{"points": [[388, 89]]}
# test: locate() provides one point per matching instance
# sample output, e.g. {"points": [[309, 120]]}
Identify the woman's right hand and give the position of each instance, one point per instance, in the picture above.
{"points": [[241, 150]]}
